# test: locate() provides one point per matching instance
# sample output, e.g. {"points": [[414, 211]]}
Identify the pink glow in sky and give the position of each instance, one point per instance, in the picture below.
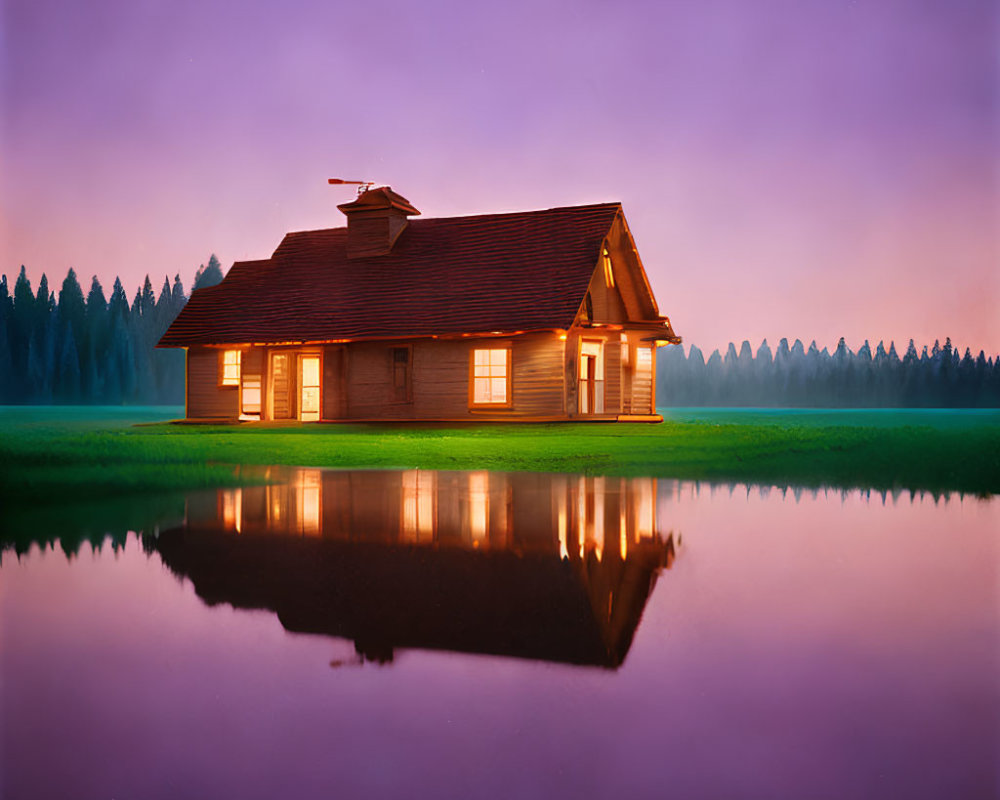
{"points": [[808, 169]]}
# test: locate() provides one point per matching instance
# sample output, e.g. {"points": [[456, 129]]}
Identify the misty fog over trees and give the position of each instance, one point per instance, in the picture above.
{"points": [[66, 347], [809, 377]]}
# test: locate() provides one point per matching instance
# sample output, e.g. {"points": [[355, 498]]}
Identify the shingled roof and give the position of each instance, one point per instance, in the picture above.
{"points": [[477, 274]]}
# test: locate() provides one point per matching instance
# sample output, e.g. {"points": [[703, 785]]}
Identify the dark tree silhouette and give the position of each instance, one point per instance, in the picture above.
{"points": [[796, 377], [93, 349], [208, 276]]}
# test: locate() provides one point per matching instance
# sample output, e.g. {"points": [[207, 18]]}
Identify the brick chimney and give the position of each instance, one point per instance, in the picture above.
{"points": [[374, 222]]}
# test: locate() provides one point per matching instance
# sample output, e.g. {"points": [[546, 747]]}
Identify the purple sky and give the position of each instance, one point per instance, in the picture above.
{"points": [[808, 168]]}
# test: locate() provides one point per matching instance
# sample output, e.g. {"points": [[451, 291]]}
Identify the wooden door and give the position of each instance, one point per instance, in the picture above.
{"points": [[281, 386]]}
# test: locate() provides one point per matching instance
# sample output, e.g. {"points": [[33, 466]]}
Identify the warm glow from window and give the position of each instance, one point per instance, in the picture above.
{"points": [[418, 506], [599, 515], [479, 506], [590, 515], [591, 378], [625, 349], [232, 509], [644, 359], [309, 407], [559, 497], [308, 488], [230, 368], [250, 396], [609, 276], [276, 502], [643, 493], [490, 373]]}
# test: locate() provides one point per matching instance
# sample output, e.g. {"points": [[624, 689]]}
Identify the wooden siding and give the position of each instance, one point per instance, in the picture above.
{"points": [[613, 375], [333, 395], [205, 398], [606, 300], [642, 385], [440, 379], [538, 384]]}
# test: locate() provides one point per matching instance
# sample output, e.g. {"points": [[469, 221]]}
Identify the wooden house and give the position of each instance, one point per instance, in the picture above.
{"points": [[537, 315]]}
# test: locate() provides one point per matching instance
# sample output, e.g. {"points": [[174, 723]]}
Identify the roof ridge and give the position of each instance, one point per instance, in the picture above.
{"points": [[420, 222]]}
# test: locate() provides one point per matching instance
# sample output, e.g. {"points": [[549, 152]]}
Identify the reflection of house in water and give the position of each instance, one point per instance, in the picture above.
{"points": [[553, 567]]}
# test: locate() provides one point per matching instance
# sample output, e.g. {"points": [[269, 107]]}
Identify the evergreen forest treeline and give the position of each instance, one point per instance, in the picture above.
{"points": [[797, 376], [64, 347]]}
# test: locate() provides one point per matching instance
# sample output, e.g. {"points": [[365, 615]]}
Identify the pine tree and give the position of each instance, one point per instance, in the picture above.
{"points": [[70, 336], [69, 367], [861, 389], [763, 376], [147, 300], [21, 327], [177, 295], [97, 345], [208, 276], [118, 304], [6, 363]]}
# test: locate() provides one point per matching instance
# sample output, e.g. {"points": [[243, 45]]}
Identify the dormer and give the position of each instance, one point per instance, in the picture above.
{"points": [[374, 222]]}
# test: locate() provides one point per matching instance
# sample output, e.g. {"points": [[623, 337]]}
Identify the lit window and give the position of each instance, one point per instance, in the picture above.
{"points": [[491, 376], [609, 276], [644, 359], [230, 374], [309, 400], [591, 378], [250, 397]]}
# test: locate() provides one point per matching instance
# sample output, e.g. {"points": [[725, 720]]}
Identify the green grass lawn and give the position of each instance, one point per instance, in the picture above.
{"points": [[51, 454]]}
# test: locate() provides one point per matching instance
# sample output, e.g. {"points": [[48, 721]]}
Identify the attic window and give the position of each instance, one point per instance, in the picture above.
{"points": [[229, 371], [490, 377], [609, 276]]}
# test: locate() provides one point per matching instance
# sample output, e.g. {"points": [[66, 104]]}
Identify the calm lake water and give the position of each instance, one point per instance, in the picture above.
{"points": [[455, 634]]}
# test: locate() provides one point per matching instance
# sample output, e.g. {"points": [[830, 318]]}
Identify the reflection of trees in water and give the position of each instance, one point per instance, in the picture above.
{"points": [[109, 522], [105, 523]]}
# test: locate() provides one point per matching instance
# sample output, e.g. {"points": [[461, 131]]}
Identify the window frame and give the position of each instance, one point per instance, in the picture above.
{"points": [[408, 387], [506, 346], [223, 381], [597, 378], [297, 358], [246, 414]]}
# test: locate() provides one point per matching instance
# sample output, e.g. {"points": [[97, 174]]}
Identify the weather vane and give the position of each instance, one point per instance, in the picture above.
{"points": [[363, 186]]}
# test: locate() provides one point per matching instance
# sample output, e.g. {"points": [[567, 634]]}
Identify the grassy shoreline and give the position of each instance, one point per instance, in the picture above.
{"points": [[66, 454]]}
